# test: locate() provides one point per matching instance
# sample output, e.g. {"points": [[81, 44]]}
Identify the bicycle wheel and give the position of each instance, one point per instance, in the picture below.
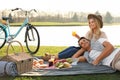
{"points": [[2, 37], [32, 40]]}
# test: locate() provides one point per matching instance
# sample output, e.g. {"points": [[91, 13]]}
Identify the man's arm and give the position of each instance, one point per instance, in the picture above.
{"points": [[108, 48], [78, 53], [82, 59]]}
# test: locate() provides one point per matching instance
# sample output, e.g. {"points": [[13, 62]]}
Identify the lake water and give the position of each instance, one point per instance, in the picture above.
{"points": [[62, 36]]}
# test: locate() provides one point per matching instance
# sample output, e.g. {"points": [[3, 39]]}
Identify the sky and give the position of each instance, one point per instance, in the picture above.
{"points": [[113, 6]]}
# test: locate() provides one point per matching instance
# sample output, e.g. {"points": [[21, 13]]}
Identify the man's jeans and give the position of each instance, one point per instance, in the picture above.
{"points": [[68, 52]]}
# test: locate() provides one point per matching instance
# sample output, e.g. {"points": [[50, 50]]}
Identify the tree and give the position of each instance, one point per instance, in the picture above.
{"points": [[10, 18], [108, 18], [97, 13], [75, 17]]}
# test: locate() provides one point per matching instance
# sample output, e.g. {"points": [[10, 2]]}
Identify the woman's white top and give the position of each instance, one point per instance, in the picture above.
{"points": [[97, 49]]}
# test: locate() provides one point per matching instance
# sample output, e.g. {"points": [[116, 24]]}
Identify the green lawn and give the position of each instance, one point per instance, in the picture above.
{"points": [[52, 24], [60, 24], [54, 50]]}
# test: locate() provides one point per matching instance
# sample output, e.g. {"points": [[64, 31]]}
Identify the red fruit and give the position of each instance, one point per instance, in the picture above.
{"points": [[60, 60], [56, 61], [63, 60]]}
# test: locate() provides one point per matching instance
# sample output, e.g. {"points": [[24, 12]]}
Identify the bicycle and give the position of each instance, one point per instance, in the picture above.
{"points": [[31, 33]]}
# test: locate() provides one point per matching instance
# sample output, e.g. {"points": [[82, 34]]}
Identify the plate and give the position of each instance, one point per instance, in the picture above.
{"points": [[43, 66]]}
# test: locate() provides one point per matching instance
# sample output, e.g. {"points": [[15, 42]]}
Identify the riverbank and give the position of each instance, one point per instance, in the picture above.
{"points": [[60, 24], [53, 24]]}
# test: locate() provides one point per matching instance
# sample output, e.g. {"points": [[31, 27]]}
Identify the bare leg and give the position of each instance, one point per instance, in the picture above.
{"points": [[117, 65]]}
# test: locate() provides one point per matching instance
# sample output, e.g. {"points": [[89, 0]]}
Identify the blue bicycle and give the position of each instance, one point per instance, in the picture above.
{"points": [[31, 33]]}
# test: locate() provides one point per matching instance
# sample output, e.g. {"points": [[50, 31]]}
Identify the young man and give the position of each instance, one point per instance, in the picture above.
{"points": [[101, 52]]}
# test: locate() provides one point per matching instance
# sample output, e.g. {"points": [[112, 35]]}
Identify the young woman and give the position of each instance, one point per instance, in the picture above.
{"points": [[95, 23]]}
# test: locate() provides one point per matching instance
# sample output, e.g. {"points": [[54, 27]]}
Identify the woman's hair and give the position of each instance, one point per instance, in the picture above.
{"points": [[98, 17], [98, 31]]}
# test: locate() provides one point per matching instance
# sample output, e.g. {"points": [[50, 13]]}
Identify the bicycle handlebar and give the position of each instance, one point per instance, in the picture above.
{"points": [[15, 9], [23, 10], [26, 11]]}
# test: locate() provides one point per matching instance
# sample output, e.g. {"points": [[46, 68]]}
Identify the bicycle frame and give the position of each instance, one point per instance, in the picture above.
{"points": [[31, 33], [12, 36]]}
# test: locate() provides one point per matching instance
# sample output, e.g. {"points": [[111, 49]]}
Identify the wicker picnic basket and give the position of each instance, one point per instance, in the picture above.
{"points": [[23, 60]]}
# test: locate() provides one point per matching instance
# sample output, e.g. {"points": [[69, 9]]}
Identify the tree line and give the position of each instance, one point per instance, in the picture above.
{"points": [[58, 17]]}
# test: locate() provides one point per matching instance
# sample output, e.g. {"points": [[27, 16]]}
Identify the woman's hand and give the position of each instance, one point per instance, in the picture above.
{"points": [[75, 35], [95, 62]]}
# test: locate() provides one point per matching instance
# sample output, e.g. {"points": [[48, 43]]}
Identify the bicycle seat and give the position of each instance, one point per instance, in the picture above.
{"points": [[5, 18]]}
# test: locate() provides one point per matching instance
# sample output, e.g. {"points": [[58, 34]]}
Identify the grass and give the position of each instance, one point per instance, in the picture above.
{"points": [[60, 24], [53, 24], [55, 50], [115, 76]]}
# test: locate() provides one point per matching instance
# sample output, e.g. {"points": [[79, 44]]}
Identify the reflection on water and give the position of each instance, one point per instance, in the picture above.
{"points": [[62, 36]]}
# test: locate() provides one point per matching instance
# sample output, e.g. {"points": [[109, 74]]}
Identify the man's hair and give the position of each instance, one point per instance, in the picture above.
{"points": [[81, 38]]}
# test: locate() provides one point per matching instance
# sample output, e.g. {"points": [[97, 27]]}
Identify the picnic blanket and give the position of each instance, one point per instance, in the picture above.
{"points": [[80, 68], [8, 68]]}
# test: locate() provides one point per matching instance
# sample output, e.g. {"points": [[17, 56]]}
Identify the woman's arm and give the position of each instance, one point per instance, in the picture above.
{"points": [[77, 36], [108, 48]]}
